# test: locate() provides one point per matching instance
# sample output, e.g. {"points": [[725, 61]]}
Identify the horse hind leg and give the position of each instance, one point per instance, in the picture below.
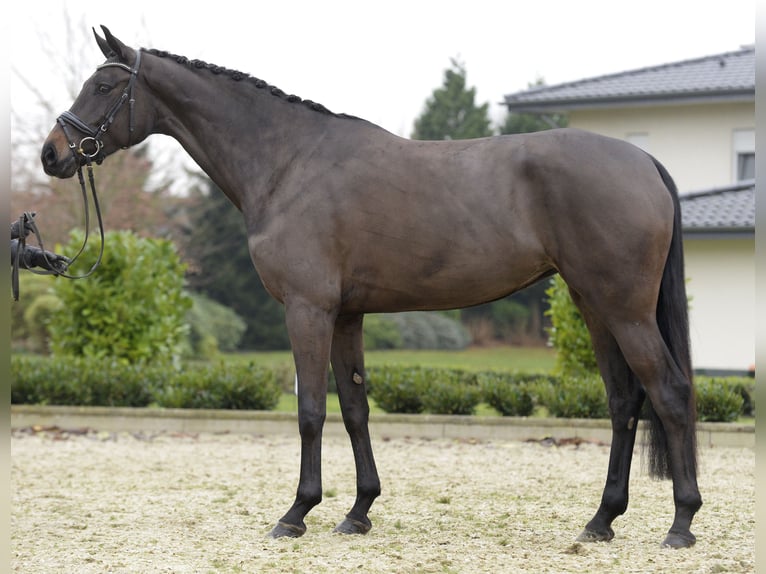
{"points": [[625, 398], [672, 436], [672, 439], [347, 358]]}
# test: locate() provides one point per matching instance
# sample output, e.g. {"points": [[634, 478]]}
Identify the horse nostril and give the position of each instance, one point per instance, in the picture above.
{"points": [[49, 156]]}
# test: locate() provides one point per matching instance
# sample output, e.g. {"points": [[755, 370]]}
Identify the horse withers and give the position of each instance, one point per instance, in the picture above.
{"points": [[343, 218]]}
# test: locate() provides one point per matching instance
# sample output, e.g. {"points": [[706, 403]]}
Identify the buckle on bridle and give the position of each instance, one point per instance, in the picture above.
{"points": [[97, 145]]}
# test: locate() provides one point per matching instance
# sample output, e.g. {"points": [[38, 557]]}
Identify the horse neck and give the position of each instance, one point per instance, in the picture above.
{"points": [[239, 134]]}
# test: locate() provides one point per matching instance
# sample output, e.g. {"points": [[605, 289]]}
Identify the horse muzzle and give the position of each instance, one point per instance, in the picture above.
{"points": [[57, 158]]}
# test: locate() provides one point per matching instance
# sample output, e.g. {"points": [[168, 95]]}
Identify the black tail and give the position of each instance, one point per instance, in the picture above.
{"points": [[673, 321]]}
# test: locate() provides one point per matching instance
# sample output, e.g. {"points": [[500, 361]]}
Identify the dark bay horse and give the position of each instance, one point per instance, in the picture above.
{"points": [[344, 218]]}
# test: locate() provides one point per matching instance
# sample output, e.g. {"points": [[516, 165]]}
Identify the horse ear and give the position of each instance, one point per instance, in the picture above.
{"points": [[111, 46], [105, 49]]}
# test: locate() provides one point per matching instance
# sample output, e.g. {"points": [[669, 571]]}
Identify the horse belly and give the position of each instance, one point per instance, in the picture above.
{"points": [[408, 281]]}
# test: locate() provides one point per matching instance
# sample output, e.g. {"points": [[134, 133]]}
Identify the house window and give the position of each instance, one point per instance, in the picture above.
{"points": [[743, 144], [745, 166]]}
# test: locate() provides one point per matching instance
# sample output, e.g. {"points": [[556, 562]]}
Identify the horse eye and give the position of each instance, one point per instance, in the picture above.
{"points": [[104, 89]]}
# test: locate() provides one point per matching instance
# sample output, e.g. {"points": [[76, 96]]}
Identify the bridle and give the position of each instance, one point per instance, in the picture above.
{"points": [[93, 137], [90, 149]]}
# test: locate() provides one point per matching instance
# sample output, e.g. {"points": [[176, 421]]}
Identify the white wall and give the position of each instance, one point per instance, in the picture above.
{"points": [[721, 287], [695, 142]]}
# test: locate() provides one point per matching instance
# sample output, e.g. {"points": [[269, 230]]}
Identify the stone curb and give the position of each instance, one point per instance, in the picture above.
{"points": [[119, 419]]}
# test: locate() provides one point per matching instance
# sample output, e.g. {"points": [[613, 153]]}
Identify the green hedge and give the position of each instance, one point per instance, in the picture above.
{"points": [[395, 389], [724, 399], [90, 382], [512, 394]]}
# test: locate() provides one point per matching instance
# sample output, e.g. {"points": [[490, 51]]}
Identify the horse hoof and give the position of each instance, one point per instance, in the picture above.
{"points": [[679, 540], [596, 536], [351, 526], [284, 530]]}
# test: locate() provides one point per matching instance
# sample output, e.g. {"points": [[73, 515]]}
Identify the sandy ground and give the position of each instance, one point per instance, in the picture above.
{"points": [[102, 502]]}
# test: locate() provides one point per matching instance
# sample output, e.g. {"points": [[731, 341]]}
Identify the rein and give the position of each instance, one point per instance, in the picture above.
{"points": [[90, 149]]}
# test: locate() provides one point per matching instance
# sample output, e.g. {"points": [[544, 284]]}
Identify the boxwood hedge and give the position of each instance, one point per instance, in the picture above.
{"points": [[395, 389]]}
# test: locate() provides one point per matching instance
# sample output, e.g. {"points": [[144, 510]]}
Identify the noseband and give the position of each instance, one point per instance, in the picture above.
{"points": [[90, 149]]}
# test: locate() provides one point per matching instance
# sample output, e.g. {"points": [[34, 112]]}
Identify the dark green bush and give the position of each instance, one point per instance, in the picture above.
{"points": [[37, 318], [745, 387], [397, 389], [448, 393], [29, 327], [718, 400], [568, 333], [212, 327], [574, 397], [381, 332], [132, 308], [221, 386], [81, 382], [95, 382], [511, 394]]}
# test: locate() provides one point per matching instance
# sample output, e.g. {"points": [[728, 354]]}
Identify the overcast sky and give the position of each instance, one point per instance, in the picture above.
{"points": [[378, 60], [382, 60]]}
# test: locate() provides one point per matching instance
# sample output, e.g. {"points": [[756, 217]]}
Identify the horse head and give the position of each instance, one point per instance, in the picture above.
{"points": [[105, 116]]}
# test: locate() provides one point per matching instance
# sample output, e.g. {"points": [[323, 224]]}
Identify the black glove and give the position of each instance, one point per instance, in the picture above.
{"points": [[16, 232], [33, 256]]}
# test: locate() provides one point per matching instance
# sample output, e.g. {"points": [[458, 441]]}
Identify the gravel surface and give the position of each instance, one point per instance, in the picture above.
{"points": [[94, 502]]}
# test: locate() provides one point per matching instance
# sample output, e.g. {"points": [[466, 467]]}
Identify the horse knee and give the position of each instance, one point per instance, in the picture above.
{"points": [[310, 425]]}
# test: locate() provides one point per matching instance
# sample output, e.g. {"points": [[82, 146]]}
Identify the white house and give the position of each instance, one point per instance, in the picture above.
{"points": [[698, 118]]}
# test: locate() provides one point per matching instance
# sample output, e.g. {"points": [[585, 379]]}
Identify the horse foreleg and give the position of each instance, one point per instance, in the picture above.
{"points": [[310, 331], [348, 366]]}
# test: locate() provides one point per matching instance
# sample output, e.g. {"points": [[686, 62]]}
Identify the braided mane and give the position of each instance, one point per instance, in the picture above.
{"points": [[238, 76]]}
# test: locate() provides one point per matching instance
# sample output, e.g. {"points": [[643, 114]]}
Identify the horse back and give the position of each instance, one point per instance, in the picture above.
{"points": [[391, 224]]}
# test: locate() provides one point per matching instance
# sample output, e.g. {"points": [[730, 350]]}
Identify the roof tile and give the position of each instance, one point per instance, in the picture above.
{"points": [[730, 208], [731, 73]]}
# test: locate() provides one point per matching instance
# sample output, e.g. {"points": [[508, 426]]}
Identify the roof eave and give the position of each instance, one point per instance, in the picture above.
{"points": [[745, 232], [632, 101]]}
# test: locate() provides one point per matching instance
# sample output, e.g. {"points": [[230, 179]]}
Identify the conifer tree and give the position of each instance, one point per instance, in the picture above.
{"points": [[451, 111]]}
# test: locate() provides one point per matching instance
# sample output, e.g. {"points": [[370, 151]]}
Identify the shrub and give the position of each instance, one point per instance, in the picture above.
{"points": [[568, 333], [222, 386], [397, 389], [381, 332], [23, 334], [406, 389], [574, 397], [212, 326], [510, 318], [511, 394], [132, 308], [79, 381], [448, 393], [718, 400], [430, 330], [37, 318], [84, 381], [745, 387]]}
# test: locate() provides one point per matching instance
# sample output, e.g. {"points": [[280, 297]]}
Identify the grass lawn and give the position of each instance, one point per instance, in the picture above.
{"points": [[533, 359]]}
